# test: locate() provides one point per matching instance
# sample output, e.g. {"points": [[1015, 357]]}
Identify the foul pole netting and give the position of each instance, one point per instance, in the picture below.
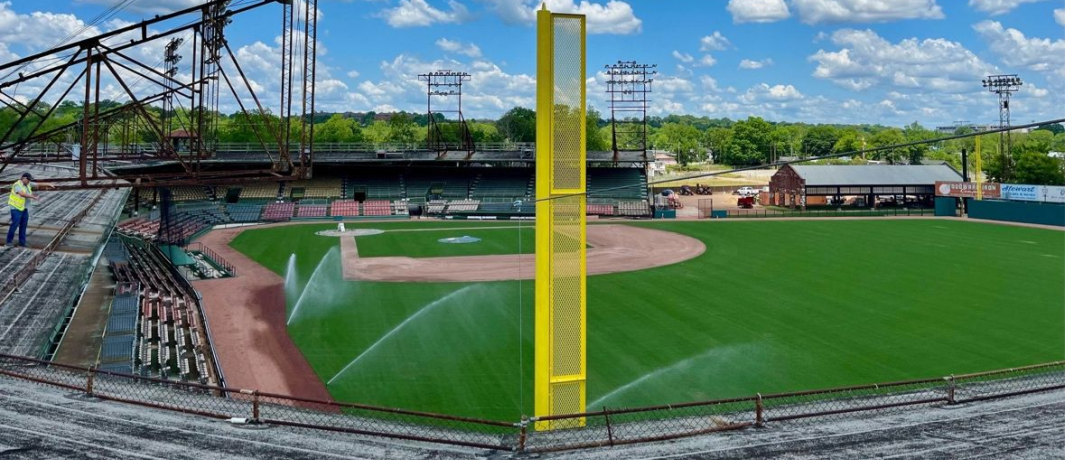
{"points": [[561, 272]]}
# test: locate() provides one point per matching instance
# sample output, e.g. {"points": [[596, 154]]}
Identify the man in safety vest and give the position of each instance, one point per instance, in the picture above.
{"points": [[20, 214]]}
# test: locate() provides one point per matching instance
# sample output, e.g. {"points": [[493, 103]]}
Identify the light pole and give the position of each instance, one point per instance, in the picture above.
{"points": [[1004, 85]]}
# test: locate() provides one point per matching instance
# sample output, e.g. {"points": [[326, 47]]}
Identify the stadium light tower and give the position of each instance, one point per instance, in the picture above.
{"points": [[1004, 85]]}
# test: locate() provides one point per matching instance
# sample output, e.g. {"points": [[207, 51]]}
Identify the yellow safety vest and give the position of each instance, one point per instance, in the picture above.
{"points": [[16, 201]]}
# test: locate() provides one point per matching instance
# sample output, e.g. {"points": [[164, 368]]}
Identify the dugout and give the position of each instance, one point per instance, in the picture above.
{"points": [[808, 185]]}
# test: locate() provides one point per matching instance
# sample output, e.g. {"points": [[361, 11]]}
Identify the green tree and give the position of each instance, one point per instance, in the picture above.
{"points": [[749, 144], [716, 139], [820, 140], [595, 137], [682, 140], [337, 128], [886, 137], [401, 129], [850, 140], [518, 125], [377, 132]]}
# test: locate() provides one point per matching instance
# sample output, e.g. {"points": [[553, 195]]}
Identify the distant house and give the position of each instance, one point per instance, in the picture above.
{"points": [[801, 185], [662, 161]]}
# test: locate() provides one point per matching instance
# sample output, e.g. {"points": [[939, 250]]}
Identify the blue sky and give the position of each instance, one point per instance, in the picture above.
{"points": [[836, 61]]}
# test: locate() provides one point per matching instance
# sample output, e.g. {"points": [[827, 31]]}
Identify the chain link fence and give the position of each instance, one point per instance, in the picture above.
{"points": [[607, 427]]}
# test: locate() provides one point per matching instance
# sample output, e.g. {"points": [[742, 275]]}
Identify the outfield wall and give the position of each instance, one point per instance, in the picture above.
{"points": [[1018, 211]]}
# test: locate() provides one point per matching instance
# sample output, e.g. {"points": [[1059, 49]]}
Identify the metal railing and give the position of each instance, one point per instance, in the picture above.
{"points": [[211, 254], [608, 427], [223, 148]]}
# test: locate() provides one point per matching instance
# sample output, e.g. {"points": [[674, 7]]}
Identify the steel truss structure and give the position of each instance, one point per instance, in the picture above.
{"points": [[177, 105], [442, 85], [628, 85], [1004, 86]]}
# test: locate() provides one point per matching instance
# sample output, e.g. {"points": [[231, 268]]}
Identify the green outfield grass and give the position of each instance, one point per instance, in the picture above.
{"points": [[771, 306]]}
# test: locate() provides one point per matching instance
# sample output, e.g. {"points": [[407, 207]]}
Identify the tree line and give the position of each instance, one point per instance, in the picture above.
{"points": [[690, 139]]}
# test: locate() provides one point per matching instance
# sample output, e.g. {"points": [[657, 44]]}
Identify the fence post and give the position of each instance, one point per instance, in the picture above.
{"points": [[90, 381], [950, 389], [254, 404], [609, 429], [759, 411], [522, 434]]}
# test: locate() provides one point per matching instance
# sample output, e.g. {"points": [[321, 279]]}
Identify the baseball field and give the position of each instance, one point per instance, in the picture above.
{"points": [[769, 306]]}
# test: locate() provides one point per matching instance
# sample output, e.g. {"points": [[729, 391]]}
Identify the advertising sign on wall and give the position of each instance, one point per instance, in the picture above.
{"points": [[967, 189], [1025, 192]]}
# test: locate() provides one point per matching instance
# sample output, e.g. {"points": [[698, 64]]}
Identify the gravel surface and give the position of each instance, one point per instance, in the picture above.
{"points": [[43, 422]]}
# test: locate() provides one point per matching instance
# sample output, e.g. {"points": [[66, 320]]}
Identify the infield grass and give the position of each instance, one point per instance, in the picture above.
{"points": [[771, 306]]}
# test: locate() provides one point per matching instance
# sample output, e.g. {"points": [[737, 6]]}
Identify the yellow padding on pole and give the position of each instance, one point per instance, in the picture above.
{"points": [[561, 270]]}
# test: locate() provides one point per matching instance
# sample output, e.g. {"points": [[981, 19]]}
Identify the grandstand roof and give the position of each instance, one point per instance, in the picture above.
{"points": [[849, 175]]}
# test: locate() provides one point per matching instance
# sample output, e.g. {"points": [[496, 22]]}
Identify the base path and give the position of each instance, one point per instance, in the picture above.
{"points": [[247, 319], [615, 248]]}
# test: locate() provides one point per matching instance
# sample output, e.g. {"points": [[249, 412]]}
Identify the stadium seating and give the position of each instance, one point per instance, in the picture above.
{"points": [[508, 184], [463, 206], [166, 342], [620, 183], [384, 186], [345, 208], [312, 210], [400, 208], [633, 208], [377, 208], [315, 188], [278, 211], [188, 193], [244, 212], [600, 209], [435, 206], [259, 191]]}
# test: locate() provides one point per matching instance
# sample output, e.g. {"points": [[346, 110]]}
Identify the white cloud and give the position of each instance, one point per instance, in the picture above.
{"points": [[709, 83], [683, 57], [997, 7], [758, 10], [453, 46], [707, 61], [1015, 49], [754, 65], [867, 60], [611, 17], [764, 92], [418, 13], [353, 74], [1059, 16], [40, 30], [715, 42], [837, 11]]}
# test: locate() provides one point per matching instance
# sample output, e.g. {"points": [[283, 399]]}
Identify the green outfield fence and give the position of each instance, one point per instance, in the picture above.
{"points": [[772, 213], [603, 428]]}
